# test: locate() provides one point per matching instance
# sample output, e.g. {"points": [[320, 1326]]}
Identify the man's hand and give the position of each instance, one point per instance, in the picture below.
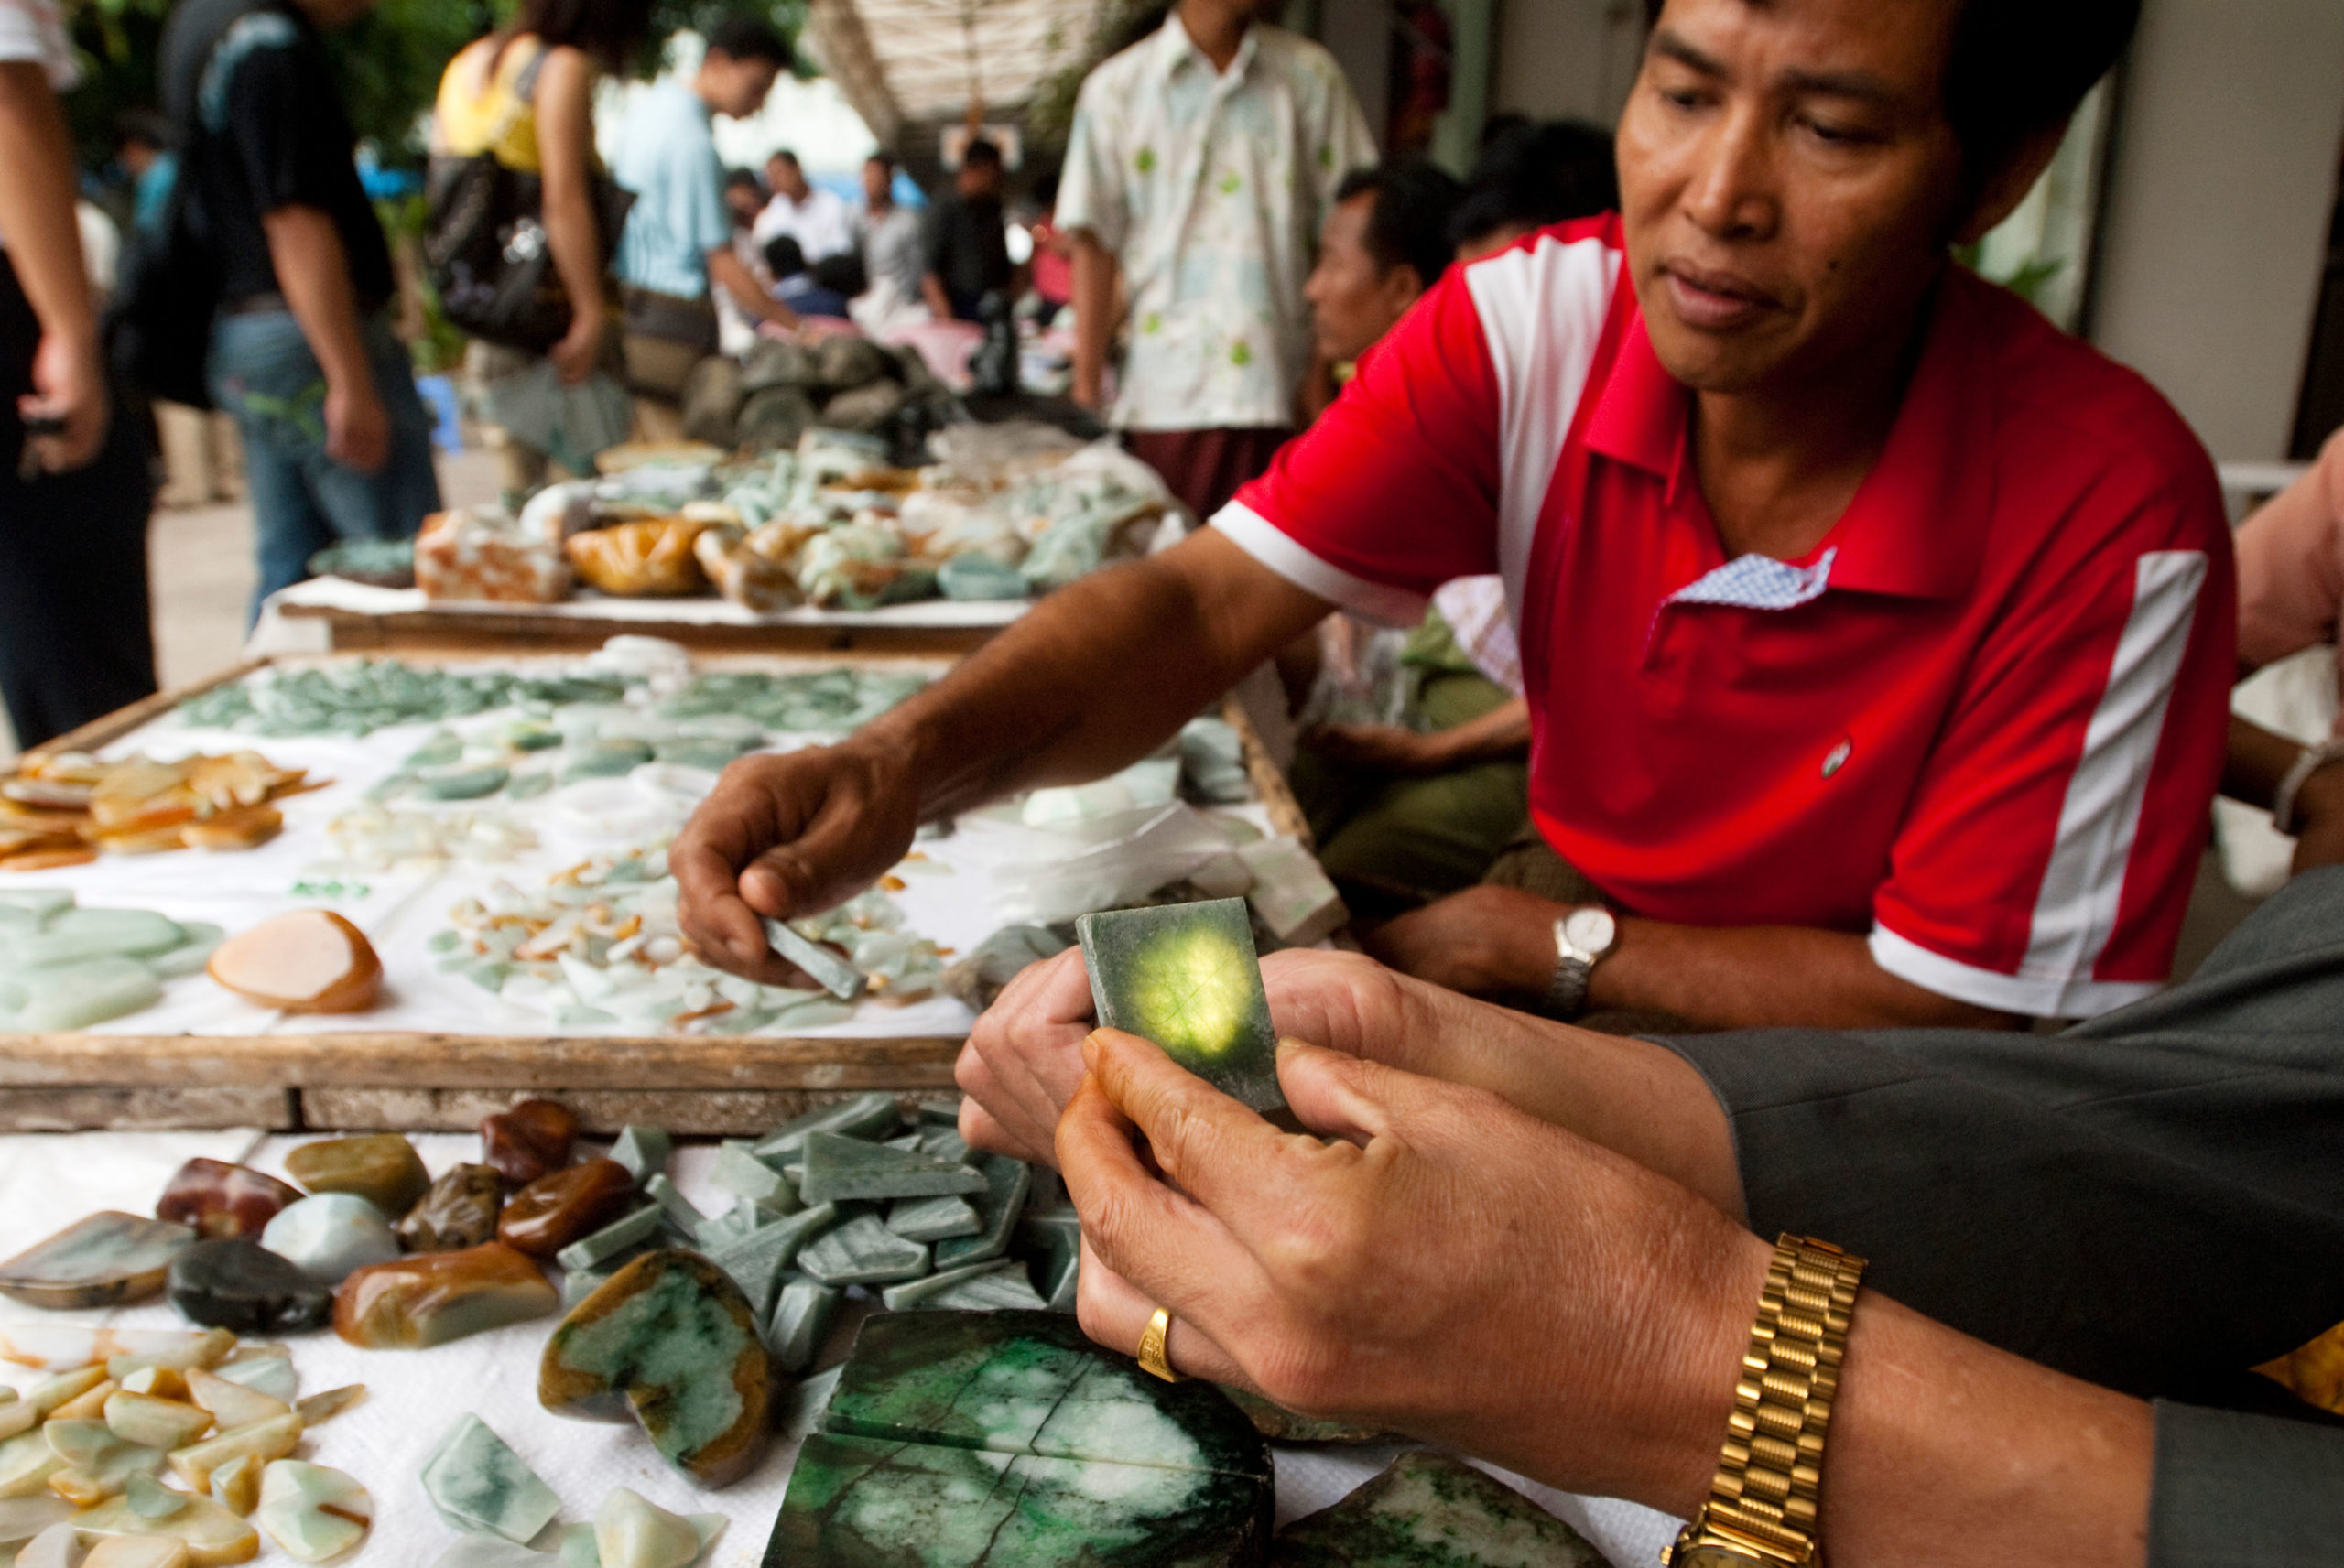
{"points": [[1484, 942], [1023, 1058], [1385, 748], [580, 348], [358, 429], [2319, 819], [1450, 1267], [789, 836], [69, 387]]}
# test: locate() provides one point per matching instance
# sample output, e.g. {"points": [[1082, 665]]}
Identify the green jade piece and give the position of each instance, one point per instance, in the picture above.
{"points": [[863, 1251], [742, 1174], [68, 996], [755, 1261], [839, 1168], [1431, 1511], [802, 1313], [643, 1151], [996, 1289], [920, 1292], [102, 1260], [1008, 1185], [871, 1115], [476, 1482], [945, 1218], [826, 967], [681, 1215], [614, 1239], [313, 1512], [1184, 976], [632, 1532], [461, 782]]}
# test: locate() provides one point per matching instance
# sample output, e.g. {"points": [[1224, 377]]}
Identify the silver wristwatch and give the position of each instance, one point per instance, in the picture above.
{"points": [[1582, 939]]}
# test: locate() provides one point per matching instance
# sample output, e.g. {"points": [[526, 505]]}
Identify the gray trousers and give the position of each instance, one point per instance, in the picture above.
{"points": [[2167, 1181]]}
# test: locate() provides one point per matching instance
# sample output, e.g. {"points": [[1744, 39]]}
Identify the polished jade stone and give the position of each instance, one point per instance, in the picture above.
{"points": [[101, 1261], [670, 1340], [681, 1215], [920, 1293], [190, 956], [1184, 976], [73, 934], [839, 1168], [755, 1261], [614, 1239], [272, 1375], [242, 1286], [742, 1174], [833, 973], [21, 1519], [461, 782], [1431, 1511], [934, 1219], [1008, 1185], [995, 1290], [632, 1532], [871, 1115], [443, 749], [476, 1482], [331, 1236], [803, 1310], [1032, 1382], [863, 1251], [77, 994], [604, 757], [91, 1449], [643, 1151], [313, 1512], [856, 1502]]}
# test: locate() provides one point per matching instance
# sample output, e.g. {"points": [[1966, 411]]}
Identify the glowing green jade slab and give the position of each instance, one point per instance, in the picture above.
{"points": [[1186, 976], [1431, 1511], [957, 1439]]}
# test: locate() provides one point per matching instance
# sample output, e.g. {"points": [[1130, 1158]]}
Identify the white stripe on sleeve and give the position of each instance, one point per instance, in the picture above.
{"points": [[1542, 312], [1275, 548]]}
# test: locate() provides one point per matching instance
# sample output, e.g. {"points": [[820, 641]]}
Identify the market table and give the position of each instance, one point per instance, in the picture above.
{"points": [[48, 1182]]}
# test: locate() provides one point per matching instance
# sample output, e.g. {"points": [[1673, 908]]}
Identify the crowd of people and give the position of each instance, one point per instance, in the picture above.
{"points": [[1813, 676]]}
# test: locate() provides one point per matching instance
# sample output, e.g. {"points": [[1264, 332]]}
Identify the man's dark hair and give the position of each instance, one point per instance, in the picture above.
{"points": [[981, 154], [1409, 222], [2019, 68], [744, 37], [784, 258], [744, 180], [783, 154], [145, 127], [609, 32], [1535, 175], [885, 160]]}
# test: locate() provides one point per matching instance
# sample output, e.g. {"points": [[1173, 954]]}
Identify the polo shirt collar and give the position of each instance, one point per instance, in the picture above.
{"points": [[1917, 525], [1175, 49]]}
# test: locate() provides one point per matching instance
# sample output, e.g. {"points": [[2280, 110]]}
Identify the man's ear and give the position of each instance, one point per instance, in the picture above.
{"points": [[2001, 193], [1404, 286]]}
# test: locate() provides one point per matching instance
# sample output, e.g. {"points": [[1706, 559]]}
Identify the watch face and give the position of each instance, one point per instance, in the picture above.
{"points": [[1591, 931]]}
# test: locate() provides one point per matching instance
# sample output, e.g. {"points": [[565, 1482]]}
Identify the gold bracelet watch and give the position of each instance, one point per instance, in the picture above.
{"points": [[1761, 1511]]}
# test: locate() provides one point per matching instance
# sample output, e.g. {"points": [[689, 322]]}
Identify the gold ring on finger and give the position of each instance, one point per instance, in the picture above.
{"points": [[1151, 1347]]}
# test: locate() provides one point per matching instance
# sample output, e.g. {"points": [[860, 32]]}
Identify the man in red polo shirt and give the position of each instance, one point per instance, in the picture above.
{"points": [[1876, 635]]}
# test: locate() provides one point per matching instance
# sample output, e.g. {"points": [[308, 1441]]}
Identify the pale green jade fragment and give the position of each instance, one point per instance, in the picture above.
{"points": [[1007, 1184], [643, 1150], [917, 1293], [312, 1511], [477, 1482], [742, 1174], [870, 1115], [73, 934], [272, 1375], [863, 1252], [839, 1168], [40, 903], [631, 1532], [677, 1207], [934, 1219], [21, 1519], [91, 1449], [632, 1230], [802, 1310], [755, 1261], [76, 995], [1003, 1290], [823, 965], [190, 956], [26, 1462], [149, 1498]]}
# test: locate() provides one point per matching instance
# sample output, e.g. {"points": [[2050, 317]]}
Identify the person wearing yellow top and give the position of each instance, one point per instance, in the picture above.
{"points": [[525, 94]]}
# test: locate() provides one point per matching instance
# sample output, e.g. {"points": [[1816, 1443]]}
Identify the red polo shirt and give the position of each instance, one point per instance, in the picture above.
{"points": [[1981, 722]]}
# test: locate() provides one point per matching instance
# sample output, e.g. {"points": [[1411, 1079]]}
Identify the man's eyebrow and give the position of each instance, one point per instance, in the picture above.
{"points": [[1676, 46], [1859, 84]]}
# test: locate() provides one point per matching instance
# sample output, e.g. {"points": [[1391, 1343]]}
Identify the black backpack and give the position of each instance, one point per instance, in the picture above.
{"points": [[484, 246]]}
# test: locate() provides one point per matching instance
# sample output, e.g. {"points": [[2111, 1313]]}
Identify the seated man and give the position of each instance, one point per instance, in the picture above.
{"points": [[1876, 635], [2143, 1208]]}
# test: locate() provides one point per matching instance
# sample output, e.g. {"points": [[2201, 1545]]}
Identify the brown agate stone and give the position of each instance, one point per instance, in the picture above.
{"points": [[557, 1210], [381, 1167], [223, 1201], [527, 1141], [460, 1211], [431, 1297]]}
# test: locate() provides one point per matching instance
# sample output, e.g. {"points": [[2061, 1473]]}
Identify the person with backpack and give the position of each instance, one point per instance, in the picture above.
{"points": [[75, 642], [337, 444], [524, 96]]}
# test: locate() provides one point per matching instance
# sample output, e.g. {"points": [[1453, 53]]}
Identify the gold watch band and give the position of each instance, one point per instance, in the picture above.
{"points": [[1761, 1504]]}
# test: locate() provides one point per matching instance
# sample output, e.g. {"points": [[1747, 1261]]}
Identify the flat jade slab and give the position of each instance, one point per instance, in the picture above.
{"points": [[858, 1502], [1186, 976], [1032, 1382], [1431, 1511]]}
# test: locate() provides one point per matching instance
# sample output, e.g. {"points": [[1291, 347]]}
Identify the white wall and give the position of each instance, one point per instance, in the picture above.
{"points": [[1567, 58], [2220, 189]]}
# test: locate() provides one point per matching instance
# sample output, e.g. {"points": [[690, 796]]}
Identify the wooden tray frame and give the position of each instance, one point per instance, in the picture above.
{"points": [[409, 1081]]}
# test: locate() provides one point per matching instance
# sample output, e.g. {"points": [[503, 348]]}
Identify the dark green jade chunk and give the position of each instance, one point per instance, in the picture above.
{"points": [[669, 1340], [957, 1439], [1431, 1511], [1186, 976]]}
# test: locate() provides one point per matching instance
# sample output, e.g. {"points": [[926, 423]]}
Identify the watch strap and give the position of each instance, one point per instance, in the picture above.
{"points": [[1763, 1502], [1566, 991]]}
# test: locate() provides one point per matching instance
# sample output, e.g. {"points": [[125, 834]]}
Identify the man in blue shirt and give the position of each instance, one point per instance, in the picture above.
{"points": [[678, 236]]}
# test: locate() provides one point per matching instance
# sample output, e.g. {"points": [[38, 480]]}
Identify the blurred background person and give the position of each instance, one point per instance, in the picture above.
{"points": [[795, 286], [524, 94], [1530, 174], [337, 444], [891, 233], [1053, 264], [75, 642], [143, 146], [1201, 162], [965, 251], [678, 236], [745, 197], [817, 219]]}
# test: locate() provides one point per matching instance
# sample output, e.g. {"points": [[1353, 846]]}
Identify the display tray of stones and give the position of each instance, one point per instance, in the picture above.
{"points": [[481, 852], [847, 1341]]}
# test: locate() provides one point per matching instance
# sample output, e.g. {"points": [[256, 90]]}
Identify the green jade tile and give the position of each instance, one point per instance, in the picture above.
{"points": [[823, 965], [799, 1416], [839, 1168], [944, 1143], [56, 997], [855, 1502], [1000, 1290], [91, 1449], [755, 1261], [863, 1251], [669, 1340], [643, 1151], [75, 935], [868, 1116], [939, 1113], [934, 1219], [1032, 1382], [719, 1229], [1007, 1184], [742, 1174], [681, 1215], [803, 1311], [477, 1482], [603, 758], [589, 1251], [271, 1374], [1431, 1511], [313, 1512], [101, 1261], [920, 1293], [190, 956], [1184, 976], [461, 782]]}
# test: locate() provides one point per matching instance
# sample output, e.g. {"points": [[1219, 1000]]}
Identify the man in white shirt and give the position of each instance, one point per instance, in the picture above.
{"points": [[815, 218], [890, 231]]}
